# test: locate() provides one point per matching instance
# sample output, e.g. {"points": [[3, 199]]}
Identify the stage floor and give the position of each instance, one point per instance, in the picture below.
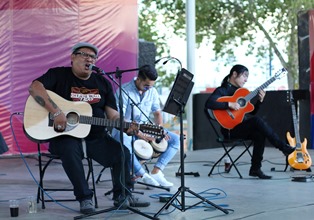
{"points": [[248, 198]]}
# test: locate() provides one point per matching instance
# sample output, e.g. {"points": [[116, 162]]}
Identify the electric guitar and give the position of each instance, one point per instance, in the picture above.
{"points": [[300, 158], [229, 118], [38, 122]]}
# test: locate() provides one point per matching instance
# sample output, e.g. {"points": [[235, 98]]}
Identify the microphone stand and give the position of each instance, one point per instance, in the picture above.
{"points": [[132, 153], [118, 75]]}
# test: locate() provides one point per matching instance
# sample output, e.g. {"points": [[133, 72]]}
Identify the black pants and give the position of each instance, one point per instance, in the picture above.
{"points": [[105, 150], [257, 130]]}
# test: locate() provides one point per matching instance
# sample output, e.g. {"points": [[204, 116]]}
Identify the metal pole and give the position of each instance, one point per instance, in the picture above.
{"points": [[190, 32]]}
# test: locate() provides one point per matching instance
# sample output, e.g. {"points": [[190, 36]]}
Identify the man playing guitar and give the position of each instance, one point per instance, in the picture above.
{"points": [[254, 128]]}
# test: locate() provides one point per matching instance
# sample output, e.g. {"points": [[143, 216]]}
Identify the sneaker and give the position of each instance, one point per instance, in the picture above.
{"points": [[160, 178], [136, 202], [149, 180], [87, 206]]}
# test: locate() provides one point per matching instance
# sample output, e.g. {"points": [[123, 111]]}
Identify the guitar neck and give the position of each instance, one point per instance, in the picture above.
{"points": [[103, 122], [295, 124], [252, 94]]}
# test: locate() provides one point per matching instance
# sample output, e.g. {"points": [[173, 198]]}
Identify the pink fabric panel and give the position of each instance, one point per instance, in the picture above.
{"points": [[36, 35]]}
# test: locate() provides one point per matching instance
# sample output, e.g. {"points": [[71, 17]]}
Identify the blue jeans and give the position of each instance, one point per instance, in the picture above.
{"points": [[163, 159]]}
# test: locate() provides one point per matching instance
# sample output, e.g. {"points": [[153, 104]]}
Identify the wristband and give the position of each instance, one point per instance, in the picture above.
{"points": [[56, 114]]}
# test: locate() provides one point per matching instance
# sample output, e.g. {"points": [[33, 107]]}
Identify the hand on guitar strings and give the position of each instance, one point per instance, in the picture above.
{"points": [[145, 137], [234, 105], [261, 95], [60, 122], [133, 129]]}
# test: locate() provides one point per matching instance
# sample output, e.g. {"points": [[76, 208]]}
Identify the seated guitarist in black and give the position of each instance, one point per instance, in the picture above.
{"points": [[254, 127], [78, 83]]}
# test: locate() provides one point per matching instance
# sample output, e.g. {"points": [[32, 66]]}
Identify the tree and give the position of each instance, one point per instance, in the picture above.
{"points": [[230, 23]]}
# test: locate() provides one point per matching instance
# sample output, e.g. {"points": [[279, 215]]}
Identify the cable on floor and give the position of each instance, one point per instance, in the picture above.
{"points": [[28, 168]]}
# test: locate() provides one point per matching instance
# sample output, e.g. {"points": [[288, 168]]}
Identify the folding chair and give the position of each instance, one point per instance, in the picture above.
{"points": [[43, 169], [227, 144]]}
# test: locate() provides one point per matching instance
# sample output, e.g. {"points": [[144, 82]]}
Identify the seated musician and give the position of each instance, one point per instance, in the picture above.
{"points": [[78, 83], [146, 98], [254, 128]]}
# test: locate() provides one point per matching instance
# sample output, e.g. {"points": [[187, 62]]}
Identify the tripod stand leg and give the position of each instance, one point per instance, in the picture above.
{"points": [[182, 189], [207, 201], [141, 213], [114, 208], [95, 213], [166, 206]]}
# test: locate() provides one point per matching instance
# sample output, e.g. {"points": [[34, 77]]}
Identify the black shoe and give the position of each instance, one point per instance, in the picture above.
{"points": [[287, 150], [87, 206], [259, 174], [121, 202], [135, 202]]}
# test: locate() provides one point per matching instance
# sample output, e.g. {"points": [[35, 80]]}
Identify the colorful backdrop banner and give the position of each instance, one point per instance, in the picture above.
{"points": [[37, 35]]}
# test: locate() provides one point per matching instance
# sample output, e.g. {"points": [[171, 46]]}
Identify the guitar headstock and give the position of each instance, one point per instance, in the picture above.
{"points": [[154, 130], [280, 73]]}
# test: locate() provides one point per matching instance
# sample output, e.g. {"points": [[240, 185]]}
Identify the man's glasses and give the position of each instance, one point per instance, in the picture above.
{"points": [[86, 55], [145, 88]]}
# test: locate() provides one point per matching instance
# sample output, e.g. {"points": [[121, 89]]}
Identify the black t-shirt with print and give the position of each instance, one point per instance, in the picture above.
{"points": [[97, 91]]}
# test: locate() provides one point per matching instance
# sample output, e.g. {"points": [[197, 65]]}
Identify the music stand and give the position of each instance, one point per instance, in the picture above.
{"points": [[175, 104]]}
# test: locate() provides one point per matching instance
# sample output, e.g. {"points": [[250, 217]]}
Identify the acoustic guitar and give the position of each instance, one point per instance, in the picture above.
{"points": [[38, 122], [300, 158], [229, 118]]}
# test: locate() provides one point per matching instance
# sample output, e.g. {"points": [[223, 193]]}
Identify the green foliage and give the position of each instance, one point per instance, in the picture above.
{"points": [[230, 23], [164, 79]]}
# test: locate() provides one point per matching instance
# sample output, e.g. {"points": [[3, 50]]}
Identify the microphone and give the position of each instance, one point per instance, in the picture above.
{"points": [[173, 58], [165, 62], [168, 58], [157, 61], [95, 68]]}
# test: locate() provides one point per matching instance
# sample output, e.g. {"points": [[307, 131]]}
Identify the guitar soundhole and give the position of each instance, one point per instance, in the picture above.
{"points": [[241, 102], [73, 118]]}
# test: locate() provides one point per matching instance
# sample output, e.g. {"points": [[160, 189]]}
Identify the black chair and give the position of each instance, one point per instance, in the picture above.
{"points": [[43, 169], [227, 144]]}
